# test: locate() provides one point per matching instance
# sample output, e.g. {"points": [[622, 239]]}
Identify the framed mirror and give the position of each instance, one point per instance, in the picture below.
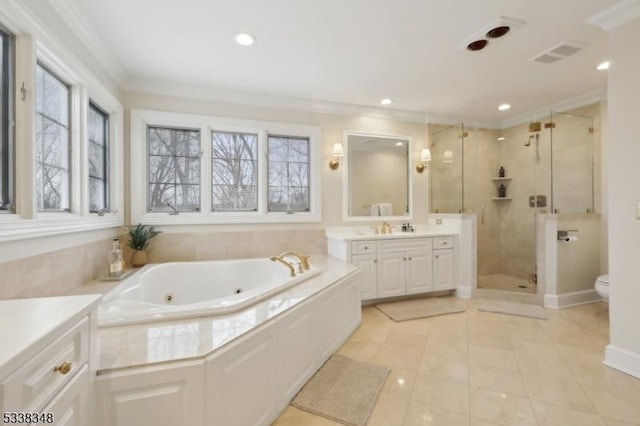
{"points": [[377, 177]]}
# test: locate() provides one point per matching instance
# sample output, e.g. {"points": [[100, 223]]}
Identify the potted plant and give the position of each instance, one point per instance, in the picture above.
{"points": [[139, 237]]}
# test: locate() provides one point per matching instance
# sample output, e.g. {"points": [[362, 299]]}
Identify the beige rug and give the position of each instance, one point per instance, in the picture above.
{"points": [[343, 390], [421, 308], [512, 308]]}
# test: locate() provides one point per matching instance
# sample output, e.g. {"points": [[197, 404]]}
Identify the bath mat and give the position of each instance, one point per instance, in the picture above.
{"points": [[512, 308], [421, 308], [343, 390]]}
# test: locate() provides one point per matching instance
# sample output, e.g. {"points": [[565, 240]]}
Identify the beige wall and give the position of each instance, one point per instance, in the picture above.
{"points": [[56, 265]]}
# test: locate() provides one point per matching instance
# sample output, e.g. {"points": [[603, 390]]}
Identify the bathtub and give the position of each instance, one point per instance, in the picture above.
{"points": [[175, 290]]}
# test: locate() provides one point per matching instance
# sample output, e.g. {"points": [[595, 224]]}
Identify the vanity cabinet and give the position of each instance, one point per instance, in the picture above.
{"points": [[398, 265], [50, 372]]}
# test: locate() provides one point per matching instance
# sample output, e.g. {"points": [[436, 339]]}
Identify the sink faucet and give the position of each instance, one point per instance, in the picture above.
{"points": [[292, 272], [304, 260]]}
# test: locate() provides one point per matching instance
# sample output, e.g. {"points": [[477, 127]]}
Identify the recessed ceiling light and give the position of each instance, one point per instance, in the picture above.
{"points": [[501, 138], [603, 66], [386, 101], [399, 143], [504, 107], [244, 39]]}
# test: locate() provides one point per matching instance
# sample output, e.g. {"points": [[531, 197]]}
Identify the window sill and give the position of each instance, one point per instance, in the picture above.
{"points": [[188, 218], [47, 224]]}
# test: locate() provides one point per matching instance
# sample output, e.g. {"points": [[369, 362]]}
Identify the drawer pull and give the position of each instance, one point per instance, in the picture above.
{"points": [[63, 368]]}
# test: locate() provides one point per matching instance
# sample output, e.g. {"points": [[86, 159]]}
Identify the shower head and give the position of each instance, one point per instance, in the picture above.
{"points": [[528, 141]]}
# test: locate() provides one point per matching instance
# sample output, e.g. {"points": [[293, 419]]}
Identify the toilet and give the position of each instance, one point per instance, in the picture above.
{"points": [[602, 287]]}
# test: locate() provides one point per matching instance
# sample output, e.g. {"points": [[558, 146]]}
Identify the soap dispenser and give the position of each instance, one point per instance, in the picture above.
{"points": [[501, 172], [115, 259]]}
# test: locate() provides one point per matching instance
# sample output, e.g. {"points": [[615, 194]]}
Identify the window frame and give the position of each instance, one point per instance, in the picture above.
{"points": [[34, 44], [70, 146], [141, 119], [7, 141], [106, 158]]}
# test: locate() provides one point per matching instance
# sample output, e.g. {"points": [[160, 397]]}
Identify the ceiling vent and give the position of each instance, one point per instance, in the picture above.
{"points": [[492, 32], [559, 52]]}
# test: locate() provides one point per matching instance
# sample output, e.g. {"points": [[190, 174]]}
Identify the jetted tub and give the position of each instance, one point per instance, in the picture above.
{"points": [[188, 289]]}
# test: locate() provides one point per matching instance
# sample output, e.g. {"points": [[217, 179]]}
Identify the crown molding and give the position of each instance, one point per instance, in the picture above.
{"points": [[566, 105], [270, 101], [69, 12], [616, 15]]}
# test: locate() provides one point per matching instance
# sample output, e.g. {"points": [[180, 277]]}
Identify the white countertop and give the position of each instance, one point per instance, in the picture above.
{"points": [[193, 338], [27, 325], [364, 233]]}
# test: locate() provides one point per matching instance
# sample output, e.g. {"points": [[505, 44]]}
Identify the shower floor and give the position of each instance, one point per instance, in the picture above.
{"points": [[506, 283]]}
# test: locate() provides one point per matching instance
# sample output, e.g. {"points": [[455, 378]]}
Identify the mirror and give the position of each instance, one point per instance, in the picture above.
{"points": [[378, 183]]}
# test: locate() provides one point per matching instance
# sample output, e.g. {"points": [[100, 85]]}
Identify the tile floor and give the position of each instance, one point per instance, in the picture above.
{"points": [[479, 369], [505, 282]]}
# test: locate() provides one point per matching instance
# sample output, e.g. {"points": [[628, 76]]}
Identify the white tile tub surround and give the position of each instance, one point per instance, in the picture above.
{"points": [[148, 343], [248, 364], [187, 289]]}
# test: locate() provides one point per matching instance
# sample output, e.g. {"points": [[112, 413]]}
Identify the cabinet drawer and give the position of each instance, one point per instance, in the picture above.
{"points": [[36, 381], [363, 247], [405, 244], [443, 242]]}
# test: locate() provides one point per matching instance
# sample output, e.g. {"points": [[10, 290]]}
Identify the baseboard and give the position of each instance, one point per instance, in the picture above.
{"points": [[621, 359], [464, 292], [565, 300]]}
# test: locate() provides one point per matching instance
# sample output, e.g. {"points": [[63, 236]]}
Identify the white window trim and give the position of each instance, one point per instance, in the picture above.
{"points": [[140, 119], [34, 44]]}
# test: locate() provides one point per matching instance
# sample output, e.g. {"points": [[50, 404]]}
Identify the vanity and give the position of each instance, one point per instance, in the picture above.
{"points": [[47, 367], [397, 264]]}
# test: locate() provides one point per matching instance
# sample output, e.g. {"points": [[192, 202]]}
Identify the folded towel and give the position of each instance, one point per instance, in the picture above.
{"points": [[374, 210], [386, 209]]}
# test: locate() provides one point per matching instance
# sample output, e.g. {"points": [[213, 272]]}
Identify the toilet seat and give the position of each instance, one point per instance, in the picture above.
{"points": [[603, 279], [602, 286]]}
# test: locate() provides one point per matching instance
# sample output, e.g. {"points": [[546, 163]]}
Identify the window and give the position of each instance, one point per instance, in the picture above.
{"points": [[288, 174], [52, 148], [222, 170], [98, 150], [6, 139], [234, 171], [173, 169]]}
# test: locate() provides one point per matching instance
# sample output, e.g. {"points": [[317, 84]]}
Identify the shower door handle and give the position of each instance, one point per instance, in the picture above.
{"points": [[482, 214]]}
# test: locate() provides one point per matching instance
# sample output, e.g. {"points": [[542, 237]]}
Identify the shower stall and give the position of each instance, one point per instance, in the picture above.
{"points": [[548, 167]]}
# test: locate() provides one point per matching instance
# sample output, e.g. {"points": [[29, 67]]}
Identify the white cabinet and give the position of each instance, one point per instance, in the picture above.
{"points": [[368, 264], [397, 265], [391, 274], [160, 396], [46, 366], [419, 267], [443, 269]]}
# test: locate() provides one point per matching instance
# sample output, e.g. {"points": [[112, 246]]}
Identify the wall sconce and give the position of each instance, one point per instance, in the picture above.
{"points": [[448, 157], [337, 154], [425, 157]]}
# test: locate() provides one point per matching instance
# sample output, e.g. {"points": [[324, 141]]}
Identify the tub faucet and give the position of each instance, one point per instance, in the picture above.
{"points": [[173, 211], [304, 260], [292, 272]]}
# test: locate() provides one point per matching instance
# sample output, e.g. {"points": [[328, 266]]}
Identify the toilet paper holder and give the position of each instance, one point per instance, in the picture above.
{"points": [[563, 235]]}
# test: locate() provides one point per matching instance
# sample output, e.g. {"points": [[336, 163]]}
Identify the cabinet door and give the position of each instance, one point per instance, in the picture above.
{"points": [[166, 395], [368, 276], [391, 274], [70, 407], [245, 371], [419, 271], [443, 269]]}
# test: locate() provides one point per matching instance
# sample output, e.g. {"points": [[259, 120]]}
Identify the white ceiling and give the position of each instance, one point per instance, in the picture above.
{"points": [[352, 52]]}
